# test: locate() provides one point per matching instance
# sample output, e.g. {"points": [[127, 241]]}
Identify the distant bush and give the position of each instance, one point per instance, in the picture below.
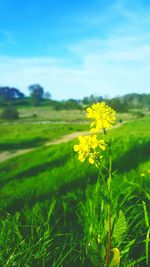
{"points": [[138, 114], [120, 120], [9, 113], [118, 105], [34, 115], [68, 105]]}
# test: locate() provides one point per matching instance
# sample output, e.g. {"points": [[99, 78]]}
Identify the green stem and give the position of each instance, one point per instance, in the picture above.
{"points": [[109, 208], [109, 237], [103, 179], [98, 180]]}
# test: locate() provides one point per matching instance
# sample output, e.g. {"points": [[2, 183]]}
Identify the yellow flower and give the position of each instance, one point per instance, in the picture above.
{"points": [[103, 116], [89, 147]]}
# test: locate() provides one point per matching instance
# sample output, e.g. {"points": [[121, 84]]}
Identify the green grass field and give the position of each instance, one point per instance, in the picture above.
{"points": [[46, 198], [47, 114], [27, 135]]}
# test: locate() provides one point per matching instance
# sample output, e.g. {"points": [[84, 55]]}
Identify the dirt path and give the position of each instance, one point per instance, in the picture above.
{"points": [[66, 138]]}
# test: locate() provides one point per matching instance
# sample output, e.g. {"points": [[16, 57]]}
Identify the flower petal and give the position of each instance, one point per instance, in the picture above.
{"points": [[76, 148]]}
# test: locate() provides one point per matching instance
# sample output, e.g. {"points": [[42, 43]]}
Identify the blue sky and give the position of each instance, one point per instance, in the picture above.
{"points": [[76, 48]]}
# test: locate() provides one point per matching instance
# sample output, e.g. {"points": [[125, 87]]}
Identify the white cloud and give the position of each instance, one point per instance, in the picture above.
{"points": [[114, 65], [110, 73]]}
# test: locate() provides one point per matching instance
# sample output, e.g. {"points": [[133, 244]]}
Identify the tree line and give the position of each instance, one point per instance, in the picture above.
{"points": [[10, 96]]}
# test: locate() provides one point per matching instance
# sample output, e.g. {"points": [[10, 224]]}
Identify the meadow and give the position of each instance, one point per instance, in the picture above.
{"points": [[28, 135], [47, 114], [48, 203]]}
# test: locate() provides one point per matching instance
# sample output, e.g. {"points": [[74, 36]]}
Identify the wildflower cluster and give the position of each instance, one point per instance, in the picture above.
{"points": [[89, 146], [102, 115]]}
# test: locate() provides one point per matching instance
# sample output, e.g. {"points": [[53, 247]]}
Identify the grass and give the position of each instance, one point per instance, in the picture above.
{"points": [[27, 135], [44, 113], [47, 114], [45, 197]]}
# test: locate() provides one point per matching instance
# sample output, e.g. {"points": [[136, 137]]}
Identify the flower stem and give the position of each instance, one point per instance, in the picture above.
{"points": [[109, 208], [109, 237]]}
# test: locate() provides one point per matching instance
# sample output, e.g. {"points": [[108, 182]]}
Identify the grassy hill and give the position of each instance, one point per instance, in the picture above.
{"points": [[45, 197]]}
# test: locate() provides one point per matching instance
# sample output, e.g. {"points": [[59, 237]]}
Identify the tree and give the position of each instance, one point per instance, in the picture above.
{"points": [[47, 95], [36, 93], [86, 101], [117, 104], [9, 94], [72, 104], [89, 100]]}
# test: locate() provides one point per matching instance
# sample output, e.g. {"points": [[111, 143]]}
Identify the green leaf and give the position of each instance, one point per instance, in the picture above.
{"points": [[146, 215], [120, 227], [115, 262]]}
